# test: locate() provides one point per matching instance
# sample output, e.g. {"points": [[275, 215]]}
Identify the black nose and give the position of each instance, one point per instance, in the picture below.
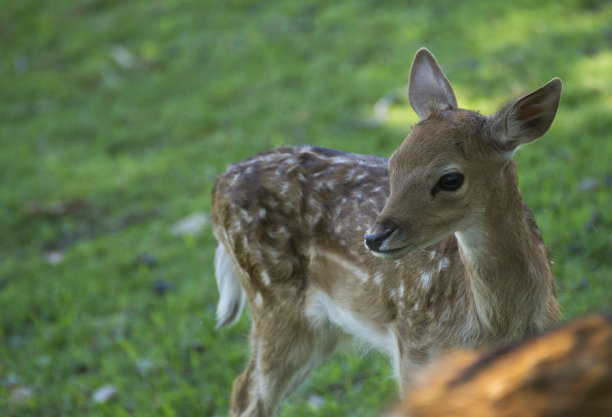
{"points": [[374, 241]]}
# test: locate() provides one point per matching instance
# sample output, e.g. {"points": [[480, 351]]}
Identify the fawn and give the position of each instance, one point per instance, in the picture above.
{"points": [[423, 253], [566, 372]]}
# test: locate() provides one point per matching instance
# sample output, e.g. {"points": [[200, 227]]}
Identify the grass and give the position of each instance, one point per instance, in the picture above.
{"points": [[118, 116]]}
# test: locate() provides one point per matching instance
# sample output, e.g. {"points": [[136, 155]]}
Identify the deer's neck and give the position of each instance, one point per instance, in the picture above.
{"points": [[507, 268]]}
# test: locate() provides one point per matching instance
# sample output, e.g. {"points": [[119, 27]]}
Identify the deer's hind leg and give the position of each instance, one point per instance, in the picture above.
{"points": [[282, 357], [285, 346], [285, 349]]}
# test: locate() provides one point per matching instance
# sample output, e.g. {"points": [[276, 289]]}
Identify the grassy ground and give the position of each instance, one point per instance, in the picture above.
{"points": [[118, 116]]}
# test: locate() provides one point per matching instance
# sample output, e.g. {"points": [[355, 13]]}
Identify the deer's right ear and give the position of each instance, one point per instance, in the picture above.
{"points": [[526, 119], [428, 87]]}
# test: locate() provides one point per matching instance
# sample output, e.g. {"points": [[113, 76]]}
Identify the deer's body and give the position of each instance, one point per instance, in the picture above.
{"points": [[453, 268]]}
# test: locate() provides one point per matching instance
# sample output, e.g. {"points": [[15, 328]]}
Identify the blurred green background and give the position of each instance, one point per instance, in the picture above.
{"points": [[117, 116]]}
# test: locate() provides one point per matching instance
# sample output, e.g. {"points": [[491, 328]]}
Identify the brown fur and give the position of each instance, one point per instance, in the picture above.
{"points": [[292, 221], [564, 373]]}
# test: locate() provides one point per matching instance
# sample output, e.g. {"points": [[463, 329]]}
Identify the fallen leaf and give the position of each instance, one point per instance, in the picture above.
{"points": [[588, 184], [55, 257], [103, 394], [191, 225], [144, 366], [20, 395], [382, 105], [316, 401], [123, 56]]}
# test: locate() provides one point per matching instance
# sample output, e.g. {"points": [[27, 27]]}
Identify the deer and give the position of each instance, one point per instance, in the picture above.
{"points": [[563, 372], [426, 252]]}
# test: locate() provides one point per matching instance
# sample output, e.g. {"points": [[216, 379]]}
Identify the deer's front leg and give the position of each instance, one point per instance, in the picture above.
{"points": [[408, 359]]}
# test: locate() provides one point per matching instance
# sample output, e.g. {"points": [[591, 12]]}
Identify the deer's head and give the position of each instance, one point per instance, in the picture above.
{"points": [[453, 162]]}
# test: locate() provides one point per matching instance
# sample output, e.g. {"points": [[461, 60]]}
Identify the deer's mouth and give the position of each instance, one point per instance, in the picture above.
{"points": [[394, 253]]}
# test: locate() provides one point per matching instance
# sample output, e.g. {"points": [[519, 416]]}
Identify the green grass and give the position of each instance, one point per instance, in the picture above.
{"points": [[118, 116]]}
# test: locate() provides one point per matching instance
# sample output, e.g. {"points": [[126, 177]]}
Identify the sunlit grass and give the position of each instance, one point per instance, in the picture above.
{"points": [[118, 116]]}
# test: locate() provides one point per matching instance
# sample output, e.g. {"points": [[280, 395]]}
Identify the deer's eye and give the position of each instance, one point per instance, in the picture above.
{"points": [[451, 181]]}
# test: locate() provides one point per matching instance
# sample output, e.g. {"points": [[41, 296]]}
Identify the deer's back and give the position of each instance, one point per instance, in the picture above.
{"points": [[276, 205]]}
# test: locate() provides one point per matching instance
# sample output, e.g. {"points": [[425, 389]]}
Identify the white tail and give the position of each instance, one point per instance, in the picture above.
{"points": [[232, 296], [452, 257]]}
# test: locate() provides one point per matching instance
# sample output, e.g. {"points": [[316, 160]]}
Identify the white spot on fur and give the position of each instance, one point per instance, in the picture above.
{"points": [[276, 254], [235, 179], [276, 234], [258, 301], [341, 160], [444, 264], [312, 253], [361, 219], [426, 279], [246, 216], [402, 289], [432, 255], [284, 188], [267, 158], [265, 278], [378, 279], [270, 202]]}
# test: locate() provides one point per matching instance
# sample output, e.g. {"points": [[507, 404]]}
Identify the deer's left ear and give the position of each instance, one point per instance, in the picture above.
{"points": [[428, 87], [527, 118]]}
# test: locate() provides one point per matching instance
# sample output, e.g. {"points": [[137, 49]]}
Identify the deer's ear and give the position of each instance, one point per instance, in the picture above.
{"points": [[428, 87], [527, 118]]}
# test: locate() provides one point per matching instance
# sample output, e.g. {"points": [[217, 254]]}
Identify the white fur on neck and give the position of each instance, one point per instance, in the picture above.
{"points": [[474, 249], [493, 283]]}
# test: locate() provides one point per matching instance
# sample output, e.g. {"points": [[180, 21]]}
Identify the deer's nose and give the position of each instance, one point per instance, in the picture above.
{"points": [[374, 241]]}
